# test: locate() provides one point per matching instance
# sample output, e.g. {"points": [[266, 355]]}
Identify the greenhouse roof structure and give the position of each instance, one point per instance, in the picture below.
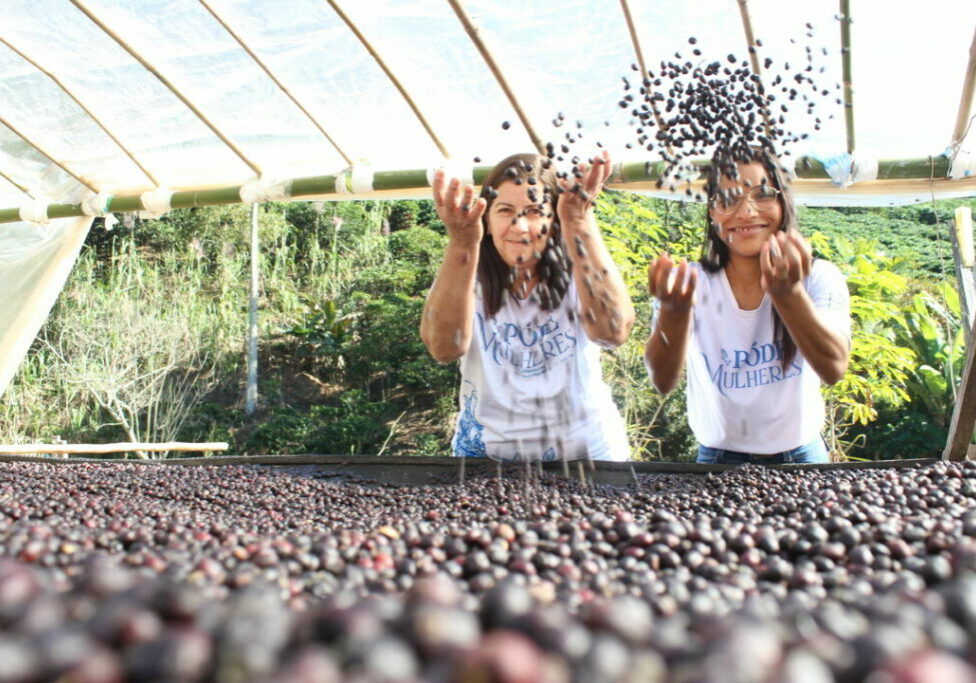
{"points": [[116, 98]]}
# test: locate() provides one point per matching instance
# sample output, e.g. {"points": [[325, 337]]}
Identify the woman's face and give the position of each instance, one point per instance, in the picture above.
{"points": [[519, 226], [750, 213]]}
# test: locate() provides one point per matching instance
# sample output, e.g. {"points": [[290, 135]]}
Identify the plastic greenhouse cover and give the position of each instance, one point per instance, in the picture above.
{"points": [[34, 263], [908, 72], [142, 94]]}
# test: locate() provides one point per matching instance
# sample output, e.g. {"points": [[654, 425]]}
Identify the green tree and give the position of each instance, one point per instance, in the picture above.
{"points": [[636, 230]]}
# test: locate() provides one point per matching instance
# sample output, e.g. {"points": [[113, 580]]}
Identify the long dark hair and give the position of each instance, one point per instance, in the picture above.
{"points": [[715, 252], [554, 267]]}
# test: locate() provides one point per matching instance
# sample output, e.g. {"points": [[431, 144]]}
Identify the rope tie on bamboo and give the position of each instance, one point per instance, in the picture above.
{"points": [[361, 179], [156, 202], [357, 179], [963, 165], [96, 204], [342, 183], [864, 169], [34, 212], [840, 168], [261, 190], [452, 169]]}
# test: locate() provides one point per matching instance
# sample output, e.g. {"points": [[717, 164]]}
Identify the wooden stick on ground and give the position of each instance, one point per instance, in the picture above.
{"points": [[90, 448]]}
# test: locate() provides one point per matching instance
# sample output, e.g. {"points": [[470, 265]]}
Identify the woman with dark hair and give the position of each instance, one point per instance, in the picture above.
{"points": [[526, 296], [759, 321]]}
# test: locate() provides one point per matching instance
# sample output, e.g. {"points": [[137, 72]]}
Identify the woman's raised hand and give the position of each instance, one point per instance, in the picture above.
{"points": [[785, 261], [579, 193], [673, 283], [459, 210]]}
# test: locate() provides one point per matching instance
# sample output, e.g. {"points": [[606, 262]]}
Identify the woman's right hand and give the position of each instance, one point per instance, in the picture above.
{"points": [[672, 283], [459, 210]]}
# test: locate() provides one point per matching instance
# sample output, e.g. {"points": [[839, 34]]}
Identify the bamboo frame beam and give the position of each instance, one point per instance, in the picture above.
{"points": [[16, 184], [124, 447], [632, 174], [49, 155], [639, 52], [77, 100], [966, 99], [753, 51], [475, 36], [845, 51], [963, 412], [393, 79], [281, 86], [168, 84], [963, 262]]}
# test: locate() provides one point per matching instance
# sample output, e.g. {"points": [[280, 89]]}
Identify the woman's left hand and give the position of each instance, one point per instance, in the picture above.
{"points": [[785, 261], [579, 193]]}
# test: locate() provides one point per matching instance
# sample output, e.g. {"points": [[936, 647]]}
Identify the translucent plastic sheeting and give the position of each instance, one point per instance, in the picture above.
{"points": [[82, 110], [35, 261]]}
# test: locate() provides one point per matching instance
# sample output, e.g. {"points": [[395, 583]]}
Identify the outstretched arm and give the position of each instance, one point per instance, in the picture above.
{"points": [[445, 327], [605, 307]]}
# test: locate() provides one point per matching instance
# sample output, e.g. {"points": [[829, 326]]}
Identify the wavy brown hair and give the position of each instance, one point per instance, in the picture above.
{"points": [[715, 252], [554, 267]]}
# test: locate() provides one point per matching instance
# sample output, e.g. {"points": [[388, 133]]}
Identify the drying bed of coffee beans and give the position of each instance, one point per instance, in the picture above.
{"points": [[112, 572]]}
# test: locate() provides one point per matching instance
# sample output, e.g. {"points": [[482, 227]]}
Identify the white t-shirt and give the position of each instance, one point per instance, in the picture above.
{"points": [[740, 398], [532, 387]]}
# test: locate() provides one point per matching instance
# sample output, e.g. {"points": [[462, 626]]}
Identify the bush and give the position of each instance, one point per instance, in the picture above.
{"points": [[388, 352], [283, 430], [355, 426]]}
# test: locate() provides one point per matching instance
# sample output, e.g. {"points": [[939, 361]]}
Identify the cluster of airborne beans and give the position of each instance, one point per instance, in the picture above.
{"points": [[142, 572], [691, 107]]}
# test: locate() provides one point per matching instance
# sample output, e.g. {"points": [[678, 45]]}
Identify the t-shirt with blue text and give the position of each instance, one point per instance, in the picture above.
{"points": [[532, 387], [740, 397]]}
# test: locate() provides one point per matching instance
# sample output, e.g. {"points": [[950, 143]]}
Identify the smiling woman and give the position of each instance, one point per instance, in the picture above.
{"points": [[758, 321], [526, 296]]}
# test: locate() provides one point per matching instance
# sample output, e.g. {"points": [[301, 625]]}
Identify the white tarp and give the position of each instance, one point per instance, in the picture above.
{"points": [[35, 261]]}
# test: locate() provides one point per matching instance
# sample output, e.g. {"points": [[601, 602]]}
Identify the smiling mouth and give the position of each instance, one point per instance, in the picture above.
{"points": [[747, 229]]}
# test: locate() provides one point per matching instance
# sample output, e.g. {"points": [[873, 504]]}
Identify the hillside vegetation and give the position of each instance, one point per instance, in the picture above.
{"points": [[148, 339]]}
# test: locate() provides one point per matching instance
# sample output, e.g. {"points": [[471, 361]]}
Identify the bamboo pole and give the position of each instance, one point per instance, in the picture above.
{"points": [[963, 412], [77, 100], [125, 447], [393, 79], [251, 394], [635, 41], [475, 36], [49, 155], [966, 99], [962, 258], [168, 84], [845, 43], [267, 70], [753, 50], [416, 179], [20, 187]]}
